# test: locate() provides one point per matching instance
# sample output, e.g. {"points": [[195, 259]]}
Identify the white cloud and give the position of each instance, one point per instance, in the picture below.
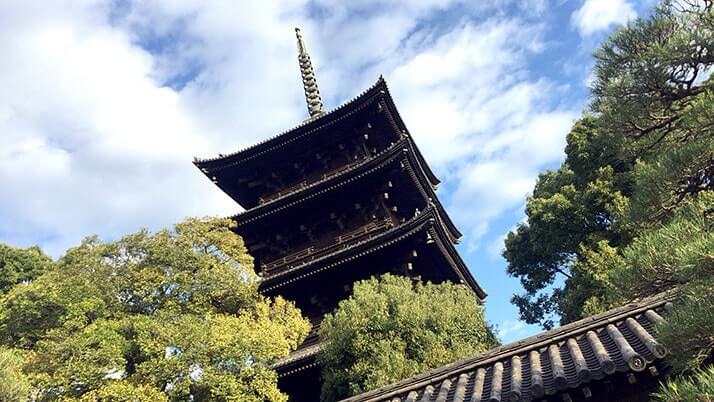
{"points": [[511, 329], [91, 143], [598, 15], [94, 141]]}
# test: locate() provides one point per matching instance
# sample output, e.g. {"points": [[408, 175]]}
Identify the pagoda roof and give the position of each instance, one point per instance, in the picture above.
{"points": [[571, 356], [427, 220], [300, 359], [404, 149], [378, 94]]}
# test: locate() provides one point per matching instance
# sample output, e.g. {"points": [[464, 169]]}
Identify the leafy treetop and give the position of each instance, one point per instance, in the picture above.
{"points": [[392, 328], [174, 315]]}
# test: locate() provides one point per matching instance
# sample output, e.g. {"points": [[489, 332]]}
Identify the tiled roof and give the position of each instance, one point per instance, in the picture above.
{"points": [[620, 340], [222, 169], [404, 150]]}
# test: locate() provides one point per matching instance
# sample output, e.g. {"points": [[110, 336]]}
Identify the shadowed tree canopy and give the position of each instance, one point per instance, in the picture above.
{"points": [[392, 328], [174, 315]]}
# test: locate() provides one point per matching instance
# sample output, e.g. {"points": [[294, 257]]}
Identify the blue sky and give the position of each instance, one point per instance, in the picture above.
{"points": [[104, 104]]}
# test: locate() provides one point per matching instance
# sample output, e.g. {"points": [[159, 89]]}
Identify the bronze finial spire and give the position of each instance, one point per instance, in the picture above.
{"points": [[312, 94]]}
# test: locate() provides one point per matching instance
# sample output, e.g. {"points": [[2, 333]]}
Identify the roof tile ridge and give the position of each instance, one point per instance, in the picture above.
{"points": [[380, 81], [512, 348]]}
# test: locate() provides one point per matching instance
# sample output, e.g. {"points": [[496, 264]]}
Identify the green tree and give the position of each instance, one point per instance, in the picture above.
{"points": [[19, 265], [14, 385], [696, 388], [391, 328], [646, 150], [173, 315], [653, 85], [573, 212], [653, 88], [653, 95]]}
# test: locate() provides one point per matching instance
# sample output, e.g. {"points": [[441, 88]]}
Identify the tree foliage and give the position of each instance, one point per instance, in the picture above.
{"points": [[19, 265], [698, 387], [646, 150], [654, 97], [173, 315], [14, 384], [392, 328], [572, 212]]}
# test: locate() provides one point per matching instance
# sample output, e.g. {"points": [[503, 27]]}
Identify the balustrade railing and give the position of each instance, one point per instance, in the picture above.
{"points": [[342, 241], [305, 183]]}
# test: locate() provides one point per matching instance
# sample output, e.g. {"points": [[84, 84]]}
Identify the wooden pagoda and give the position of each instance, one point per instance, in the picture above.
{"points": [[344, 196]]}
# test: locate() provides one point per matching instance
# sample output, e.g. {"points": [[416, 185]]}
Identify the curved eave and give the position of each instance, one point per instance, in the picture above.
{"points": [[362, 248], [428, 192], [398, 124], [296, 361], [455, 260], [310, 126], [403, 147]]}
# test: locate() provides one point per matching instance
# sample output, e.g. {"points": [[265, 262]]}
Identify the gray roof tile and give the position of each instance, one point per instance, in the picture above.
{"points": [[545, 364]]}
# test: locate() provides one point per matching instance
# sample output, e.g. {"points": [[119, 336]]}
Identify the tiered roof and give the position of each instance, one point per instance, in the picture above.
{"points": [[222, 170], [620, 340], [402, 151]]}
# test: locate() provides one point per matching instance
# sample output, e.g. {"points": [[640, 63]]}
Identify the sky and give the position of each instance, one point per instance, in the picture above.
{"points": [[103, 105]]}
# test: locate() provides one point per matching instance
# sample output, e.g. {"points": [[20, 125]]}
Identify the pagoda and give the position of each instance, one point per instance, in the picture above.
{"points": [[342, 197]]}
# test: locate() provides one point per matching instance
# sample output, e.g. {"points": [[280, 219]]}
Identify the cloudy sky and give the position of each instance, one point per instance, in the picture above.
{"points": [[104, 104]]}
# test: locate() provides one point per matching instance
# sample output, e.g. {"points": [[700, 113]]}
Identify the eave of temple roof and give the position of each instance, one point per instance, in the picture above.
{"points": [[563, 358], [427, 219], [298, 360], [438, 233], [403, 149], [378, 93]]}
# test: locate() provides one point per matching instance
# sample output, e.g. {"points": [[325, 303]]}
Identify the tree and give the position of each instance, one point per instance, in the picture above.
{"points": [[645, 150], [654, 86], [392, 328], [695, 388], [173, 315], [14, 385], [572, 212], [19, 265]]}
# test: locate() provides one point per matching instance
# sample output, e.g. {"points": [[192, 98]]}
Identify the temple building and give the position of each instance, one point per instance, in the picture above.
{"points": [[344, 196], [347, 195]]}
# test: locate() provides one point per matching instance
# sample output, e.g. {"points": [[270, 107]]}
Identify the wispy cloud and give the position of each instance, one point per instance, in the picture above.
{"points": [[104, 106], [599, 15], [509, 330]]}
